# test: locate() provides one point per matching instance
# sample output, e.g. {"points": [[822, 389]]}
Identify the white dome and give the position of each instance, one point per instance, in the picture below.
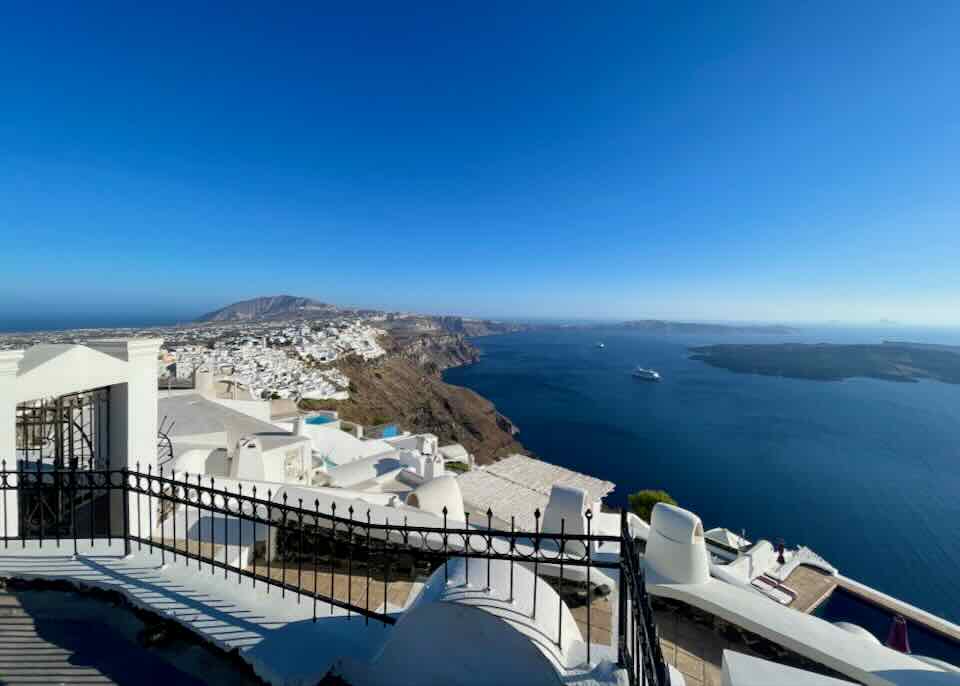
{"points": [[433, 496]]}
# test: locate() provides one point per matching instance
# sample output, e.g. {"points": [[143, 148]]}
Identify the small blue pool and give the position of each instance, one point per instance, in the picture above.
{"points": [[389, 431], [842, 606], [320, 419]]}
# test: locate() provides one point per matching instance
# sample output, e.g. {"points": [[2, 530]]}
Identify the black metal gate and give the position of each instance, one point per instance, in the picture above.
{"points": [[57, 436], [66, 432]]}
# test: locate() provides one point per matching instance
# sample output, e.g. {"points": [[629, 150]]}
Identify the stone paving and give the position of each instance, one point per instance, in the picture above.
{"points": [[601, 621], [694, 649], [346, 587], [811, 585]]}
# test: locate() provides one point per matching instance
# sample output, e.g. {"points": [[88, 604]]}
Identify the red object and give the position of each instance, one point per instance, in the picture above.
{"points": [[897, 638]]}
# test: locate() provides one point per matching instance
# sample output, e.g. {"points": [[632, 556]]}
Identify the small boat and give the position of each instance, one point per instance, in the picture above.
{"points": [[601, 345], [646, 374]]}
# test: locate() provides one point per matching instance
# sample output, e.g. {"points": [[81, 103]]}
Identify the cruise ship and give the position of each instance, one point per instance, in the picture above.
{"points": [[646, 374]]}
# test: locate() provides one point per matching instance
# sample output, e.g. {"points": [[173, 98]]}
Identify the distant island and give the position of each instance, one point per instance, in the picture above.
{"points": [[661, 326], [890, 360]]}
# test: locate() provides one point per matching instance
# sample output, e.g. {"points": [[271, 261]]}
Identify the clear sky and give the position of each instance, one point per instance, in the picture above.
{"points": [[769, 161]]}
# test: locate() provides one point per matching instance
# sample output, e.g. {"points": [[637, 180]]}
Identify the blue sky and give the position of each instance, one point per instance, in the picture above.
{"points": [[769, 161]]}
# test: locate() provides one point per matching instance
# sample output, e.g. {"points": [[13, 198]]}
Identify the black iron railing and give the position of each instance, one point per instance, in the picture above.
{"points": [[330, 557], [638, 639]]}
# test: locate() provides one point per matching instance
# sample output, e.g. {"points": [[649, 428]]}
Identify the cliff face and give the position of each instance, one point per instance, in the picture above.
{"points": [[437, 352], [416, 324], [478, 327], [405, 386]]}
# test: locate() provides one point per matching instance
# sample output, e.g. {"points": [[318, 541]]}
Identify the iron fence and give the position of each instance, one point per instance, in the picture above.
{"points": [[69, 431], [330, 557]]}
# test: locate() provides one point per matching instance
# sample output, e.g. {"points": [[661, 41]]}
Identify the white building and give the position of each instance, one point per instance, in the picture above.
{"points": [[112, 391]]}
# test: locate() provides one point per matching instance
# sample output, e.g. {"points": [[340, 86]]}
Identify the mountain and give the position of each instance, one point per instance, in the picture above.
{"points": [[268, 307]]}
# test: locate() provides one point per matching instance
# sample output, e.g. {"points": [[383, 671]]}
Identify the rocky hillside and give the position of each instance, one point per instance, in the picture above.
{"points": [[435, 352], [478, 327], [405, 386], [269, 307], [409, 324]]}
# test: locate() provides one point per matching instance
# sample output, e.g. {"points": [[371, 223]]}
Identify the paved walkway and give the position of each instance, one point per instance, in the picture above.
{"points": [[274, 634], [812, 587], [695, 650], [601, 621]]}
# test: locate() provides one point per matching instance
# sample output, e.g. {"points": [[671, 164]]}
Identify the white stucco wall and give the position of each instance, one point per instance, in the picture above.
{"points": [[127, 367], [743, 670], [9, 363], [464, 628]]}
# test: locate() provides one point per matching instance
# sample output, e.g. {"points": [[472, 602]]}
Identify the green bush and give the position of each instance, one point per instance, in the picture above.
{"points": [[642, 502]]}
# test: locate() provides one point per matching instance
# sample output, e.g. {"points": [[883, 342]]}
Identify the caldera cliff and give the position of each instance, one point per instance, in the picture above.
{"points": [[405, 387]]}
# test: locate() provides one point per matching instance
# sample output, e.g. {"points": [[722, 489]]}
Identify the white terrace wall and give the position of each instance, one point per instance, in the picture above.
{"points": [[127, 367], [9, 363], [133, 419]]}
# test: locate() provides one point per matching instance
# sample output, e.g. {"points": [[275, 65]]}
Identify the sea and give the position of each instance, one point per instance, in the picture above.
{"points": [[865, 472]]}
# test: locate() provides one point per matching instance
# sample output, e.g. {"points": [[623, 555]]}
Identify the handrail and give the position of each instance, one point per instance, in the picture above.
{"points": [[296, 548]]}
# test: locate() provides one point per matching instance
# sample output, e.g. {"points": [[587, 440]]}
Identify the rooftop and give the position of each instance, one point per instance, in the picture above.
{"points": [[192, 415], [518, 485]]}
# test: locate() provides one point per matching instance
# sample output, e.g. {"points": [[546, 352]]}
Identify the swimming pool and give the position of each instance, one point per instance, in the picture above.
{"points": [[842, 606], [320, 419]]}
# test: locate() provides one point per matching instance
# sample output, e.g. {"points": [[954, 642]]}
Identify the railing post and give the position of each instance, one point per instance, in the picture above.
{"points": [[622, 594], [9, 366], [124, 491]]}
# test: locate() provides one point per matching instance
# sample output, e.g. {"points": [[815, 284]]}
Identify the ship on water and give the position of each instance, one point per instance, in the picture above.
{"points": [[646, 374]]}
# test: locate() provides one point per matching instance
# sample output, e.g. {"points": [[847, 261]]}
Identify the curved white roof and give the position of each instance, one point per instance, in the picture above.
{"points": [[675, 523], [858, 630], [437, 494], [466, 583]]}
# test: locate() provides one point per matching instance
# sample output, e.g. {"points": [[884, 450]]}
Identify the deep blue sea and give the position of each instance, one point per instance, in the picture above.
{"points": [[865, 472]]}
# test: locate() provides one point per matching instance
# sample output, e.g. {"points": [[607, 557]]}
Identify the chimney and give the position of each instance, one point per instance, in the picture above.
{"points": [[897, 637]]}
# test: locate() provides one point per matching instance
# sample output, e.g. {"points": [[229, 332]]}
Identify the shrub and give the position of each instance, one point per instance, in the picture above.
{"points": [[642, 502]]}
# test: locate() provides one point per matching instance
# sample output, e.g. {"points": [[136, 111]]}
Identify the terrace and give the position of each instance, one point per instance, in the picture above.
{"points": [[328, 592], [300, 590]]}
